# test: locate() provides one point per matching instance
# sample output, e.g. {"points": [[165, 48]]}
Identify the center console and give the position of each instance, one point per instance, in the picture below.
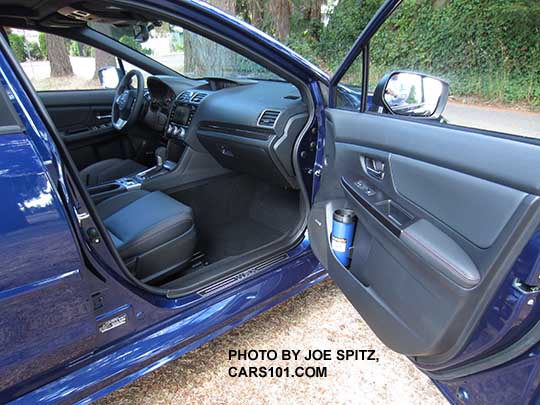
{"points": [[180, 117], [106, 190], [166, 161], [181, 114]]}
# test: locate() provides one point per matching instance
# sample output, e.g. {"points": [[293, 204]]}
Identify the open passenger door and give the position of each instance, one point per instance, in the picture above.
{"points": [[445, 259]]}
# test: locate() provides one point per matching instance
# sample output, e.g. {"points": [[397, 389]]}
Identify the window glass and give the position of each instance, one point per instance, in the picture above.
{"points": [[348, 95], [55, 63], [488, 52], [188, 53]]}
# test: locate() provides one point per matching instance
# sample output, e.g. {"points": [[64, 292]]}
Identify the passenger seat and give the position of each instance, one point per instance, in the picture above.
{"points": [[154, 233]]}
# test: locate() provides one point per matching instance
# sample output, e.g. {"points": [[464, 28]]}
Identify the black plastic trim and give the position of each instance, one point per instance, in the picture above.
{"points": [[396, 231], [11, 122]]}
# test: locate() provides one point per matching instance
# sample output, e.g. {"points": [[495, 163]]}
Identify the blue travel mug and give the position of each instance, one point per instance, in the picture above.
{"points": [[343, 226]]}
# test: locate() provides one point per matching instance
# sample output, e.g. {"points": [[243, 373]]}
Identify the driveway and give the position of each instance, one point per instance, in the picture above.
{"points": [[494, 118], [319, 318]]}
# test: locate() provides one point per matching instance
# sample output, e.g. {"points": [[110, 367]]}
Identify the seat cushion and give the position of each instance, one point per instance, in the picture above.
{"points": [[139, 221], [109, 170]]}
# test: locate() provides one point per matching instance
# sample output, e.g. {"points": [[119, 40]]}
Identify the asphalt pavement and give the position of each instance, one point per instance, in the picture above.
{"points": [[494, 118]]}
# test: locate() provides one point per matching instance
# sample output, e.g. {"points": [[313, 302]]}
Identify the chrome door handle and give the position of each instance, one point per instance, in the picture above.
{"points": [[375, 168], [104, 117]]}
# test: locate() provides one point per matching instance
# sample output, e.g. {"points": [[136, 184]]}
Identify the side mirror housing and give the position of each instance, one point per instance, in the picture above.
{"points": [[411, 94], [109, 77]]}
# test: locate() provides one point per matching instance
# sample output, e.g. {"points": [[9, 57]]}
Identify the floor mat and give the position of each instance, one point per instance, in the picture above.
{"points": [[236, 214], [239, 236]]}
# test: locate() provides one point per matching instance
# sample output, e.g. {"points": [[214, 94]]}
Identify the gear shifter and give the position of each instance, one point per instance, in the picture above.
{"points": [[161, 156]]}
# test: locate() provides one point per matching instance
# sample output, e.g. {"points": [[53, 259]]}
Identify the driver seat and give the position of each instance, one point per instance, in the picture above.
{"points": [[109, 170]]}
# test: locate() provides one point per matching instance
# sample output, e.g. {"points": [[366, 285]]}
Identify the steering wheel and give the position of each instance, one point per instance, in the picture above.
{"points": [[128, 101]]}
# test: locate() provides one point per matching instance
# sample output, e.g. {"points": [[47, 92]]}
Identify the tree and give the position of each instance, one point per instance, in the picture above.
{"points": [[281, 12], [102, 58], [58, 56], [203, 57], [256, 9]]}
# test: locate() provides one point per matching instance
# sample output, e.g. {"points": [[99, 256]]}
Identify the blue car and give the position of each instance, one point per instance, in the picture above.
{"points": [[154, 202]]}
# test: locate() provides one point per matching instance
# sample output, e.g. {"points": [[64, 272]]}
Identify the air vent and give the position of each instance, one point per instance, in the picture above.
{"points": [[268, 118], [198, 97], [184, 97]]}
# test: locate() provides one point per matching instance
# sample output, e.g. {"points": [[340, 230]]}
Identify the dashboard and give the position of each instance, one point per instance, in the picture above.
{"points": [[246, 125]]}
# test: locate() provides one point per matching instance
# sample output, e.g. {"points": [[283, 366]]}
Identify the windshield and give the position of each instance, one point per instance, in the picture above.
{"points": [[187, 53]]}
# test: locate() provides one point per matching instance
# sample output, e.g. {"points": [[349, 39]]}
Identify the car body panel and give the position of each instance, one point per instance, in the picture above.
{"points": [[121, 363], [159, 329]]}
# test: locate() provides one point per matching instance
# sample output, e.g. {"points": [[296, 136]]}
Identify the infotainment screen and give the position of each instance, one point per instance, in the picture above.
{"points": [[181, 115]]}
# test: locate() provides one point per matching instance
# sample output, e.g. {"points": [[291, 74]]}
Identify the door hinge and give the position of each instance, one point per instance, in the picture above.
{"points": [[81, 216]]}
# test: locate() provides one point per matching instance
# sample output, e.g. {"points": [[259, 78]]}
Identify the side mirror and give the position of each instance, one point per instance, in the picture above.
{"points": [[109, 77], [411, 94]]}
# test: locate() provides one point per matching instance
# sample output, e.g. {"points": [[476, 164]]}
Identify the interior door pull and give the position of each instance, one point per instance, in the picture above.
{"points": [[375, 168]]}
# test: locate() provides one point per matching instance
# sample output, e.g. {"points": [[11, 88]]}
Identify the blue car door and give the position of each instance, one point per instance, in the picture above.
{"points": [[47, 315], [444, 263]]}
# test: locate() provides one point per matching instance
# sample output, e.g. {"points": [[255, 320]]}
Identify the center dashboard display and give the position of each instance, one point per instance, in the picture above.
{"points": [[181, 115]]}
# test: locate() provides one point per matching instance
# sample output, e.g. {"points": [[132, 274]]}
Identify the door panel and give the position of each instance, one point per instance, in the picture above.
{"points": [[83, 120], [481, 222], [442, 215]]}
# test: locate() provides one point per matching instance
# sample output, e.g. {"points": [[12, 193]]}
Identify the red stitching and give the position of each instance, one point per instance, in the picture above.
{"points": [[434, 254]]}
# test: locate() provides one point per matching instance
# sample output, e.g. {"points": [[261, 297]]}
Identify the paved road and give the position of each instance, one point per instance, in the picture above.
{"points": [[495, 119]]}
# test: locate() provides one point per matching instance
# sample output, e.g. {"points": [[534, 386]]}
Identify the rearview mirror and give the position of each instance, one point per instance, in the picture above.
{"points": [[109, 77], [411, 94], [141, 33]]}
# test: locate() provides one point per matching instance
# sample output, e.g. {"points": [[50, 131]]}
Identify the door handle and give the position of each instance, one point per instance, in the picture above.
{"points": [[104, 117], [375, 168]]}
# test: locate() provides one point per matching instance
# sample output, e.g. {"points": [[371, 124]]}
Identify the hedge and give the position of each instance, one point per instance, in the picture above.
{"points": [[487, 49]]}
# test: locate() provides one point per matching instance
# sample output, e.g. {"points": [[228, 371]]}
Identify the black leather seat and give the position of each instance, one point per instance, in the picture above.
{"points": [[154, 233], [109, 170]]}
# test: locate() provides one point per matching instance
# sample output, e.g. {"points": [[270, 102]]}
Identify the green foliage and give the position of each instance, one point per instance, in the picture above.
{"points": [[73, 48], [43, 45], [346, 22], [485, 48], [18, 43], [34, 51], [133, 44], [488, 49]]}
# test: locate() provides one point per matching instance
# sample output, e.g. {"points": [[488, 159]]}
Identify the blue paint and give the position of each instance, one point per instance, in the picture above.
{"points": [[124, 362], [51, 349], [26, 288]]}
